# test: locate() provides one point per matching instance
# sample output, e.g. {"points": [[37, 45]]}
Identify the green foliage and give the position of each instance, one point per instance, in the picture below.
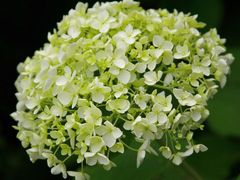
{"points": [[224, 118]]}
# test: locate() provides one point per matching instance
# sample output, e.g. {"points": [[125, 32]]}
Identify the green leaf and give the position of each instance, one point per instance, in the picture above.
{"points": [[209, 12], [216, 163], [225, 106]]}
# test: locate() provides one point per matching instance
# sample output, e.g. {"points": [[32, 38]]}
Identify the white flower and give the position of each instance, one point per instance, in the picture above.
{"points": [[152, 77], [128, 36], [168, 79], [94, 158], [201, 66], [116, 66], [118, 147], [141, 100], [99, 91], [162, 44], [119, 105], [157, 115], [199, 148], [78, 175], [95, 144], [182, 52], [60, 168], [184, 98], [109, 133], [142, 127], [92, 115], [119, 90], [166, 152], [65, 98], [102, 21], [124, 76], [142, 152], [163, 103]]}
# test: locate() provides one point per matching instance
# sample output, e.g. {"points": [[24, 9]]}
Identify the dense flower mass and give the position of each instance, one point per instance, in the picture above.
{"points": [[116, 72]]}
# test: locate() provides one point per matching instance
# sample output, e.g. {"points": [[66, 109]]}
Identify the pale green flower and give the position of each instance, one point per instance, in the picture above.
{"points": [[166, 152], [92, 115], [113, 70], [162, 102], [185, 98], [128, 36], [145, 147], [181, 52], [109, 133], [152, 77], [99, 91], [78, 175], [119, 90], [119, 105], [94, 158], [101, 21], [162, 44], [201, 67], [95, 144], [118, 147], [60, 168], [142, 127], [141, 100], [142, 152]]}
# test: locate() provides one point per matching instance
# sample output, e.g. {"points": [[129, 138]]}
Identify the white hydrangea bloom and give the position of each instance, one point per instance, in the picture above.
{"points": [[109, 69]]}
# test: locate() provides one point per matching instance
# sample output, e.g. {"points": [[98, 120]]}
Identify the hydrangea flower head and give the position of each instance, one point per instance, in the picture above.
{"points": [[115, 72]]}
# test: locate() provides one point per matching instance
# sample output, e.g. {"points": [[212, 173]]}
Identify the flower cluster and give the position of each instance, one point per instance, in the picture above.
{"points": [[115, 72]]}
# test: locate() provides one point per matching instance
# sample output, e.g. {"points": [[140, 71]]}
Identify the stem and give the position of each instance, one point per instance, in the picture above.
{"points": [[82, 167], [56, 150], [162, 87], [66, 158], [129, 147], [189, 169]]}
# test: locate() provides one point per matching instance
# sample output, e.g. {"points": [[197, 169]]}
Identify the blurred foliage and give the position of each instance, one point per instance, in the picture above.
{"points": [[27, 24], [224, 107]]}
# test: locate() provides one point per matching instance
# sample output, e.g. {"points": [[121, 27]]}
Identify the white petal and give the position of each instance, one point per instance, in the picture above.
{"points": [[129, 29], [109, 139], [150, 78], [128, 125], [105, 28], [168, 79], [119, 63], [102, 159], [157, 41], [162, 118], [65, 98], [152, 65], [124, 76], [140, 157], [61, 81], [141, 67], [186, 153], [31, 103], [98, 97], [73, 31], [196, 116], [167, 58], [166, 152], [157, 53], [130, 40], [56, 110], [167, 45], [91, 161], [117, 133], [177, 159]]}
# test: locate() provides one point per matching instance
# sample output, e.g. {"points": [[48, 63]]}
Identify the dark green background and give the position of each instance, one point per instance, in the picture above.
{"points": [[23, 29]]}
